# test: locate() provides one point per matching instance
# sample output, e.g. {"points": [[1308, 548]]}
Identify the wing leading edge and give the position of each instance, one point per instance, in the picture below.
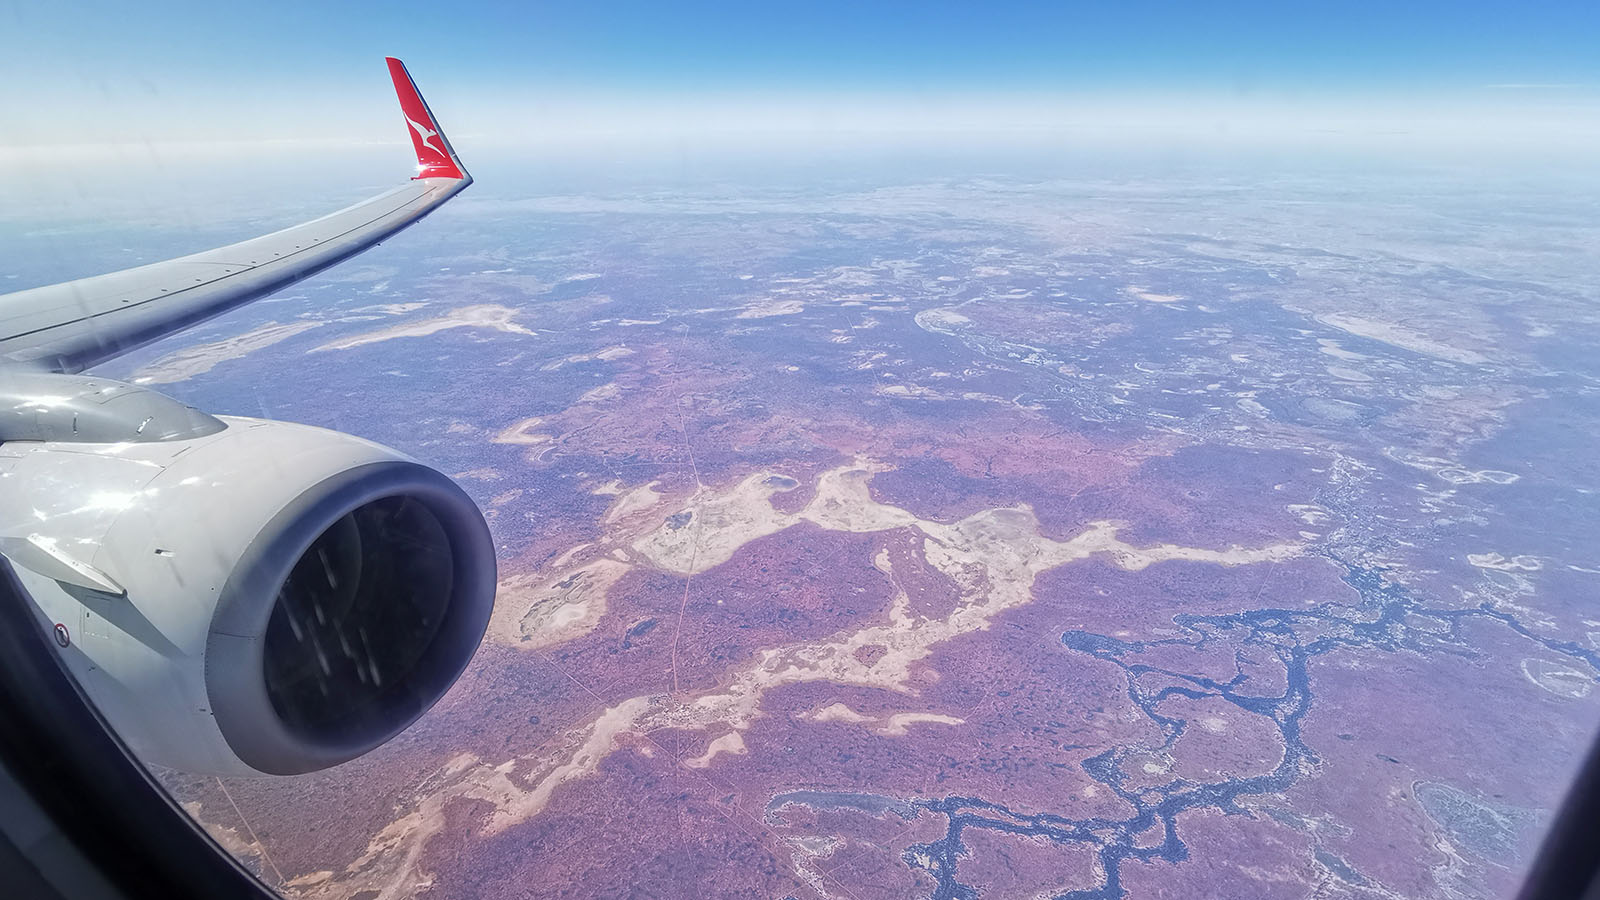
{"points": [[70, 326]]}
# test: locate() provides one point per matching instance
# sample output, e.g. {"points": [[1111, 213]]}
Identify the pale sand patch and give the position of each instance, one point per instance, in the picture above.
{"points": [[230, 838], [842, 503], [839, 712], [606, 354], [1558, 679], [1348, 374], [571, 553], [991, 557], [486, 315], [1505, 563], [899, 723], [1468, 476], [390, 864], [732, 742], [601, 393], [639, 499], [768, 308], [479, 475], [1143, 294], [514, 804], [909, 390], [1396, 335], [894, 725], [392, 309], [808, 854], [1333, 349], [197, 360], [942, 320], [533, 612], [519, 433], [1254, 408], [310, 879], [505, 497], [724, 521]]}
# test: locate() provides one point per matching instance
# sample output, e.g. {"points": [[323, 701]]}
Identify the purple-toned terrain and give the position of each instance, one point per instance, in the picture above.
{"points": [[905, 537]]}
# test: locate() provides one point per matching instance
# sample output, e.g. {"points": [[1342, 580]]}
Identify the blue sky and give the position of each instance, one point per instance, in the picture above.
{"points": [[93, 72]]}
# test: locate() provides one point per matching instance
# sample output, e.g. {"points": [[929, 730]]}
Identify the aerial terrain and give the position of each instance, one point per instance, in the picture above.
{"points": [[1138, 529]]}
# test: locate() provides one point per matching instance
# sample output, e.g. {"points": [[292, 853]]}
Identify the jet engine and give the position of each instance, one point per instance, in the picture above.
{"points": [[241, 596]]}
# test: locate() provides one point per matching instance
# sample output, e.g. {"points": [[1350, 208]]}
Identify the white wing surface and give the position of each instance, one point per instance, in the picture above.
{"points": [[71, 326]]}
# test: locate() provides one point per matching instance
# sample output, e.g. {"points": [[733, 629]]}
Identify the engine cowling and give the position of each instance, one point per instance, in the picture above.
{"points": [[269, 598]]}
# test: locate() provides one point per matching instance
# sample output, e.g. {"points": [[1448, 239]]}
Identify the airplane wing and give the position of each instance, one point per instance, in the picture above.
{"points": [[235, 595], [71, 326]]}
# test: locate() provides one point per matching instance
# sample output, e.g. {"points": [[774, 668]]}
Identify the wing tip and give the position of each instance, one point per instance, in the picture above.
{"points": [[435, 157]]}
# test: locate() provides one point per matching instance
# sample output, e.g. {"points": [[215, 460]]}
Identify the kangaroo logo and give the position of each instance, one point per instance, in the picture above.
{"points": [[425, 135]]}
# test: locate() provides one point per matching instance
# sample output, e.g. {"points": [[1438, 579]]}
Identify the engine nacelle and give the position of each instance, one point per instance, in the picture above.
{"points": [[267, 598]]}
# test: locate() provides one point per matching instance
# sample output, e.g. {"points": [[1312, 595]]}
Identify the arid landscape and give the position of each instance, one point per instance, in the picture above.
{"points": [[1076, 537]]}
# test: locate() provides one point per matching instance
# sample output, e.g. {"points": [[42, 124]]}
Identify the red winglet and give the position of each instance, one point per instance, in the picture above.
{"points": [[435, 157]]}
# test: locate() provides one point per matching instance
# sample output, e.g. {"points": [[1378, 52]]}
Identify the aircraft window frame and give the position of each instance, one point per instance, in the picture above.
{"points": [[110, 810]]}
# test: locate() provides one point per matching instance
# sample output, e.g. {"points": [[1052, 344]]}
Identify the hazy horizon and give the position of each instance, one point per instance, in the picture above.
{"points": [[1429, 77]]}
